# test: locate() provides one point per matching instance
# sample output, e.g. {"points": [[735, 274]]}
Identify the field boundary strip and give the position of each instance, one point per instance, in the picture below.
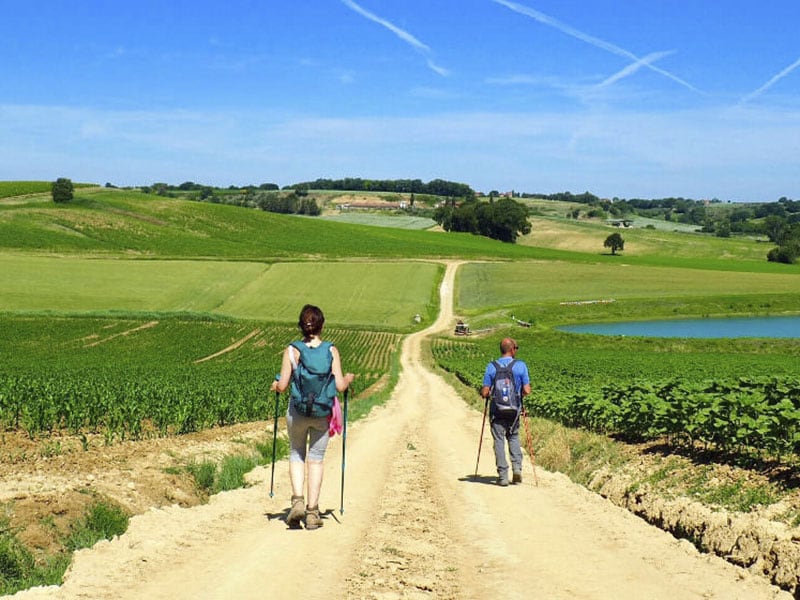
{"points": [[230, 348], [147, 325]]}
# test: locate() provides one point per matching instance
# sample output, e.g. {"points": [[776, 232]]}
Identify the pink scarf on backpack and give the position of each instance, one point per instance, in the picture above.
{"points": [[335, 421]]}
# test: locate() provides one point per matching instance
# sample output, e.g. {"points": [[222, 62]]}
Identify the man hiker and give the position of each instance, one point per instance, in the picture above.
{"points": [[505, 383]]}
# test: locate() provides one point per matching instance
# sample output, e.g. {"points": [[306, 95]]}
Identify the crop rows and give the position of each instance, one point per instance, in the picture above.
{"points": [[746, 415], [759, 416], [18, 188], [146, 381], [124, 405]]}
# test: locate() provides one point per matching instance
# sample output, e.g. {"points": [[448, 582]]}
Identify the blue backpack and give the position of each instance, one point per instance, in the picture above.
{"points": [[313, 385], [506, 399]]}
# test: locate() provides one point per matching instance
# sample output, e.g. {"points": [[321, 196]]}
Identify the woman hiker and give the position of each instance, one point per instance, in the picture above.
{"points": [[307, 418]]}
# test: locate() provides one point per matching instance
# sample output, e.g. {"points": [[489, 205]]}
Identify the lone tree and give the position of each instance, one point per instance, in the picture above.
{"points": [[62, 190], [615, 242]]}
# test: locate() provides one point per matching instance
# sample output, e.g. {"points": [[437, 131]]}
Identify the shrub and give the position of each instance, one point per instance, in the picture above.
{"points": [[62, 190]]}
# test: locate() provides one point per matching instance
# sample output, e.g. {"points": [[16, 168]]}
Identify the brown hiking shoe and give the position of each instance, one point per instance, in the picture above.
{"points": [[313, 520], [297, 512], [516, 478]]}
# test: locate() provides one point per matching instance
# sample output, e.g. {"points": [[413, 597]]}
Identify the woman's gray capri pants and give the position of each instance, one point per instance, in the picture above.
{"points": [[306, 431]]}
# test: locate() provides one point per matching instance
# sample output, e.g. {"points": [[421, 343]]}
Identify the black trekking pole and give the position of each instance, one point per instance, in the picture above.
{"points": [[274, 443], [529, 444], [344, 442], [480, 443]]}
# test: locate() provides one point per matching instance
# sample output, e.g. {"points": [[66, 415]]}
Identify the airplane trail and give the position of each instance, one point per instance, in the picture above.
{"points": [[633, 67], [771, 82], [589, 39], [401, 33]]}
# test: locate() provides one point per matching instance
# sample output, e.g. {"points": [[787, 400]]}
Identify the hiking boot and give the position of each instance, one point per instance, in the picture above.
{"points": [[502, 481], [516, 478], [313, 520], [297, 512]]}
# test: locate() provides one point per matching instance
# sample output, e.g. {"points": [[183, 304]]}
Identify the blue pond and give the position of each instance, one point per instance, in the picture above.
{"points": [[735, 327]]}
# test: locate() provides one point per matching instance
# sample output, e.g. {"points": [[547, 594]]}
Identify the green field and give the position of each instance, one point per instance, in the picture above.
{"points": [[129, 378], [11, 189], [73, 284], [382, 295], [486, 286], [661, 239], [162, 282], [380, 220], [386, 295], [107, 222]]}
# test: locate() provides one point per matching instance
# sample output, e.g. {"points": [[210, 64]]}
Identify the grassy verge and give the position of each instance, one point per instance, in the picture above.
{"points": [[581, 455], [20, 569], [228, 473]]}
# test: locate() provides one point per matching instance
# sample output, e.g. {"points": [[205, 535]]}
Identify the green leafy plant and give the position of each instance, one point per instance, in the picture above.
{"points": [[102, 520]]}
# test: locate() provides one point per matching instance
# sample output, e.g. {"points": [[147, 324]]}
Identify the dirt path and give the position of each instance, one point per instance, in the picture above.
{"points": [[415, 525]]}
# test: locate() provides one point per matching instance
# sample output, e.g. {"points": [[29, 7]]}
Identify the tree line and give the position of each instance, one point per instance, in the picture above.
{"points": [[436, 187]]}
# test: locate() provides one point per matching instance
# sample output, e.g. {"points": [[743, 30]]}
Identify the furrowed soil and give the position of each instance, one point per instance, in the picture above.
{"points": [[415, 521]]}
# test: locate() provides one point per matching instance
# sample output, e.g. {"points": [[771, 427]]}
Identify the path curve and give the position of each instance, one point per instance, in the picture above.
{"points": [[416, 524]]}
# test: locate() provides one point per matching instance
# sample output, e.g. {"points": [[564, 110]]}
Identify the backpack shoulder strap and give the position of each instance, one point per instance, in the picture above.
{"points": [[299, 346], [497, 367], [301, 350]]}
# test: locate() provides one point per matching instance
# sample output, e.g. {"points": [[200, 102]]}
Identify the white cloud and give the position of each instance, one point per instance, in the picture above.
{"points": [[701, 153]]}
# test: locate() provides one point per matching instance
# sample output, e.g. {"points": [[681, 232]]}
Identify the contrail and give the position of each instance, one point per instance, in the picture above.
{"points": [[589, 39], [633, 67], [402, 34], [771, 82], [440, 70]]}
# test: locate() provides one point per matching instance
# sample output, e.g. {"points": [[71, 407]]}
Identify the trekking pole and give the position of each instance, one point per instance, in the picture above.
{"points": [[274, 443], [344, 442], [529, 445], [480, 443]]}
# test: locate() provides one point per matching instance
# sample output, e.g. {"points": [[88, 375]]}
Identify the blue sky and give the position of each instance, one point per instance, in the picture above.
{"points": [[646, 99]]}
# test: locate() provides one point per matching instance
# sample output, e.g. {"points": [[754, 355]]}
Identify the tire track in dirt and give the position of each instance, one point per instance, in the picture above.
{"points": [[422, 562]]}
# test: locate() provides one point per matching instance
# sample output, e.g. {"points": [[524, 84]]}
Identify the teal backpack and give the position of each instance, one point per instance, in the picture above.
{"points": [[313, 385]]}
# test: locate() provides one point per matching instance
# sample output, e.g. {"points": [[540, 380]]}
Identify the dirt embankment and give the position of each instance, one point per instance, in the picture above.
{"points": [[412, 521]]}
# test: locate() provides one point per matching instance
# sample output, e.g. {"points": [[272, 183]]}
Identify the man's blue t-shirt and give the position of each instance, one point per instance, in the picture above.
{"points": [[520, 371]]}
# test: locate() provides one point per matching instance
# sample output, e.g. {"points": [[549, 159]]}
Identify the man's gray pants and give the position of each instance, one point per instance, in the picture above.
{"points": [[506, 429]]}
